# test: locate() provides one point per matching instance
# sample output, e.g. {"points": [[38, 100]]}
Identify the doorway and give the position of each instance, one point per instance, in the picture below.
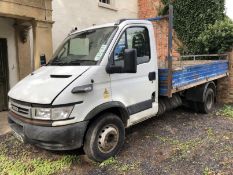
{"points": [[4, 78]]}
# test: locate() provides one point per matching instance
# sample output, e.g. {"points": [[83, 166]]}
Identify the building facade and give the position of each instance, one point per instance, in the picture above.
{"points": [[69, 14], [26, 31], [25, 34]]}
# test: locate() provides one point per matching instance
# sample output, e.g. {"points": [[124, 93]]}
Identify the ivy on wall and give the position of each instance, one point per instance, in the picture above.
{"points": [[193, 20]]}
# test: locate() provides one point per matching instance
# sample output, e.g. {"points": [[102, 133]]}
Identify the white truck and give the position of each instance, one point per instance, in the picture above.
{"points": [[100, 81]]}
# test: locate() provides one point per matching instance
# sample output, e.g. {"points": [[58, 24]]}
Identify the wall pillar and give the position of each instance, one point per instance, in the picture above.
{"points": [[42, 41], [23, 49], [225, 85]]}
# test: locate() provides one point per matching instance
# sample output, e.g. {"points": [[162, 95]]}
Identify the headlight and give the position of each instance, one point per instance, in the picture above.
{"points": [[61, 113], [42, 114]]}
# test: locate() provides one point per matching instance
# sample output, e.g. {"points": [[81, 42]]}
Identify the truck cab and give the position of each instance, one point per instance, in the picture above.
{"points": [[100, 81]]}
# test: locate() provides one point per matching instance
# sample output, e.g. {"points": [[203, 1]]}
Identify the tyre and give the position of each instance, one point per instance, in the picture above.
{"points": [[209, 102], [104, 138]]}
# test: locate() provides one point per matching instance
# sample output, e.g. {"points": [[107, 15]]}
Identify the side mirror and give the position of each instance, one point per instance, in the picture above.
{"points": [[130, 61], [42, 60]]}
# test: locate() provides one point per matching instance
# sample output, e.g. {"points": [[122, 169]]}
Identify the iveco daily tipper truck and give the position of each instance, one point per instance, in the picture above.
{"points": [[100, 81]]}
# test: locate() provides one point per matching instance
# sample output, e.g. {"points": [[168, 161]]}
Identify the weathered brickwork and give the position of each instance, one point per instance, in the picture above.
{"points": [[225, 85], [148, 9]]}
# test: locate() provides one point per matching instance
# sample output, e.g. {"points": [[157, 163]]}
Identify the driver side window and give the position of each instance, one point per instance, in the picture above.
{"points": [[133, 38], [119, 50]]}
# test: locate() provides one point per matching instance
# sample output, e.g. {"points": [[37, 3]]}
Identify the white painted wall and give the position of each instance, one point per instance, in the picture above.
{"points": [[68, 14], [229, 8], [7, 31]]}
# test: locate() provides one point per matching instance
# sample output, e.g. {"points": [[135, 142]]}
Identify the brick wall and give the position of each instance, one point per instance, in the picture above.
{"points": [[148, 9], [225, 85]]}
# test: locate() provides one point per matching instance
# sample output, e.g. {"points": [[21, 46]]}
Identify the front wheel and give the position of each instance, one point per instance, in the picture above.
{"points": [[209, 102], [104, 137]]}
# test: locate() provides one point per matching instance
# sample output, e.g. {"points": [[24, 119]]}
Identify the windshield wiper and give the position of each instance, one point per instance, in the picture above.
{"points": [[75, 62], [78, 62], [58, 63]]}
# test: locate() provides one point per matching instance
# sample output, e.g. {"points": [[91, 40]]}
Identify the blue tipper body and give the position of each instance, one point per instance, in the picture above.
{"points": [[191, 75]]}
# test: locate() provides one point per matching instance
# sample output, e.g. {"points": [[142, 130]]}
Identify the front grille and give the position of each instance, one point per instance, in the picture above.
{"points": [[20, 109]]}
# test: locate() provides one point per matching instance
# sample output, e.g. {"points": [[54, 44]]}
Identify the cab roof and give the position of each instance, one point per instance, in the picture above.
{"points": [[119, 22]]}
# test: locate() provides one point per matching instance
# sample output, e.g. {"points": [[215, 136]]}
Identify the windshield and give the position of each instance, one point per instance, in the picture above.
{"points": [[84, 48]]}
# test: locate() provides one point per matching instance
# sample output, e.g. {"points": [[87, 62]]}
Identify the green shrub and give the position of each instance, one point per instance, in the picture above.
{"points": [[217, 38], [227, 111], [192, 17]]}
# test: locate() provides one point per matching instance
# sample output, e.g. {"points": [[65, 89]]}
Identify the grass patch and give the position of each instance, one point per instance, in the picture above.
{"points": [[15, 160], [127, 167], [207, 171], [182, 149], [210, 132], [118, 166], [35, 166], [108, 162], [226, 111]]}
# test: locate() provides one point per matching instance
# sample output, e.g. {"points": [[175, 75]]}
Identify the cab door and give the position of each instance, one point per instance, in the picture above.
{"points": [[135, 90]]}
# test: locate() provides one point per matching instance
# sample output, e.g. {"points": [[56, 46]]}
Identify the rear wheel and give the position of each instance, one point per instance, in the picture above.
{"points": [[105, 137], [209, 102]]}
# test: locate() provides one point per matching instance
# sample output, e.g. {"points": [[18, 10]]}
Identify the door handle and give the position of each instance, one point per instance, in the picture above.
{"points": [[152, 76]]}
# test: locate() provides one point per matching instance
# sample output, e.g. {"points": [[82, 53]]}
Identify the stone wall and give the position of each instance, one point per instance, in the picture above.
{"points": [[35, 15], [27, 9], [225, 85]]}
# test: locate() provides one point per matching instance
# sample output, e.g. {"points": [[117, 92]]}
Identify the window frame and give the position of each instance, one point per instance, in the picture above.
{"points": [[101, 1], [125, 31], [110, 6]]}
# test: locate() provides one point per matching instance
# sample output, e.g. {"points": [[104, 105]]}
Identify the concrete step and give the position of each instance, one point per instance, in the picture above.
{"points": [[4, 127]]}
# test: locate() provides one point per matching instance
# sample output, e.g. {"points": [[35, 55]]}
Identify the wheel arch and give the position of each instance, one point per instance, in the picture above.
{"points": [[197, 94], [211, 85], [110, 107]]}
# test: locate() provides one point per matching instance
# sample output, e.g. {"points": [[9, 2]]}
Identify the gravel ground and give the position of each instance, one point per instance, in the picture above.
{"points": [[179, 142]]}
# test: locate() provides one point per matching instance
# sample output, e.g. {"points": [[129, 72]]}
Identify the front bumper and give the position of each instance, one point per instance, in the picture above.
{"points": [[67, 137]]}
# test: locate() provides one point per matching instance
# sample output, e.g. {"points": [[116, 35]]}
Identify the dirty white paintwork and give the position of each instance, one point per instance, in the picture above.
{"points": [[40, 88], [127, 89]]}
